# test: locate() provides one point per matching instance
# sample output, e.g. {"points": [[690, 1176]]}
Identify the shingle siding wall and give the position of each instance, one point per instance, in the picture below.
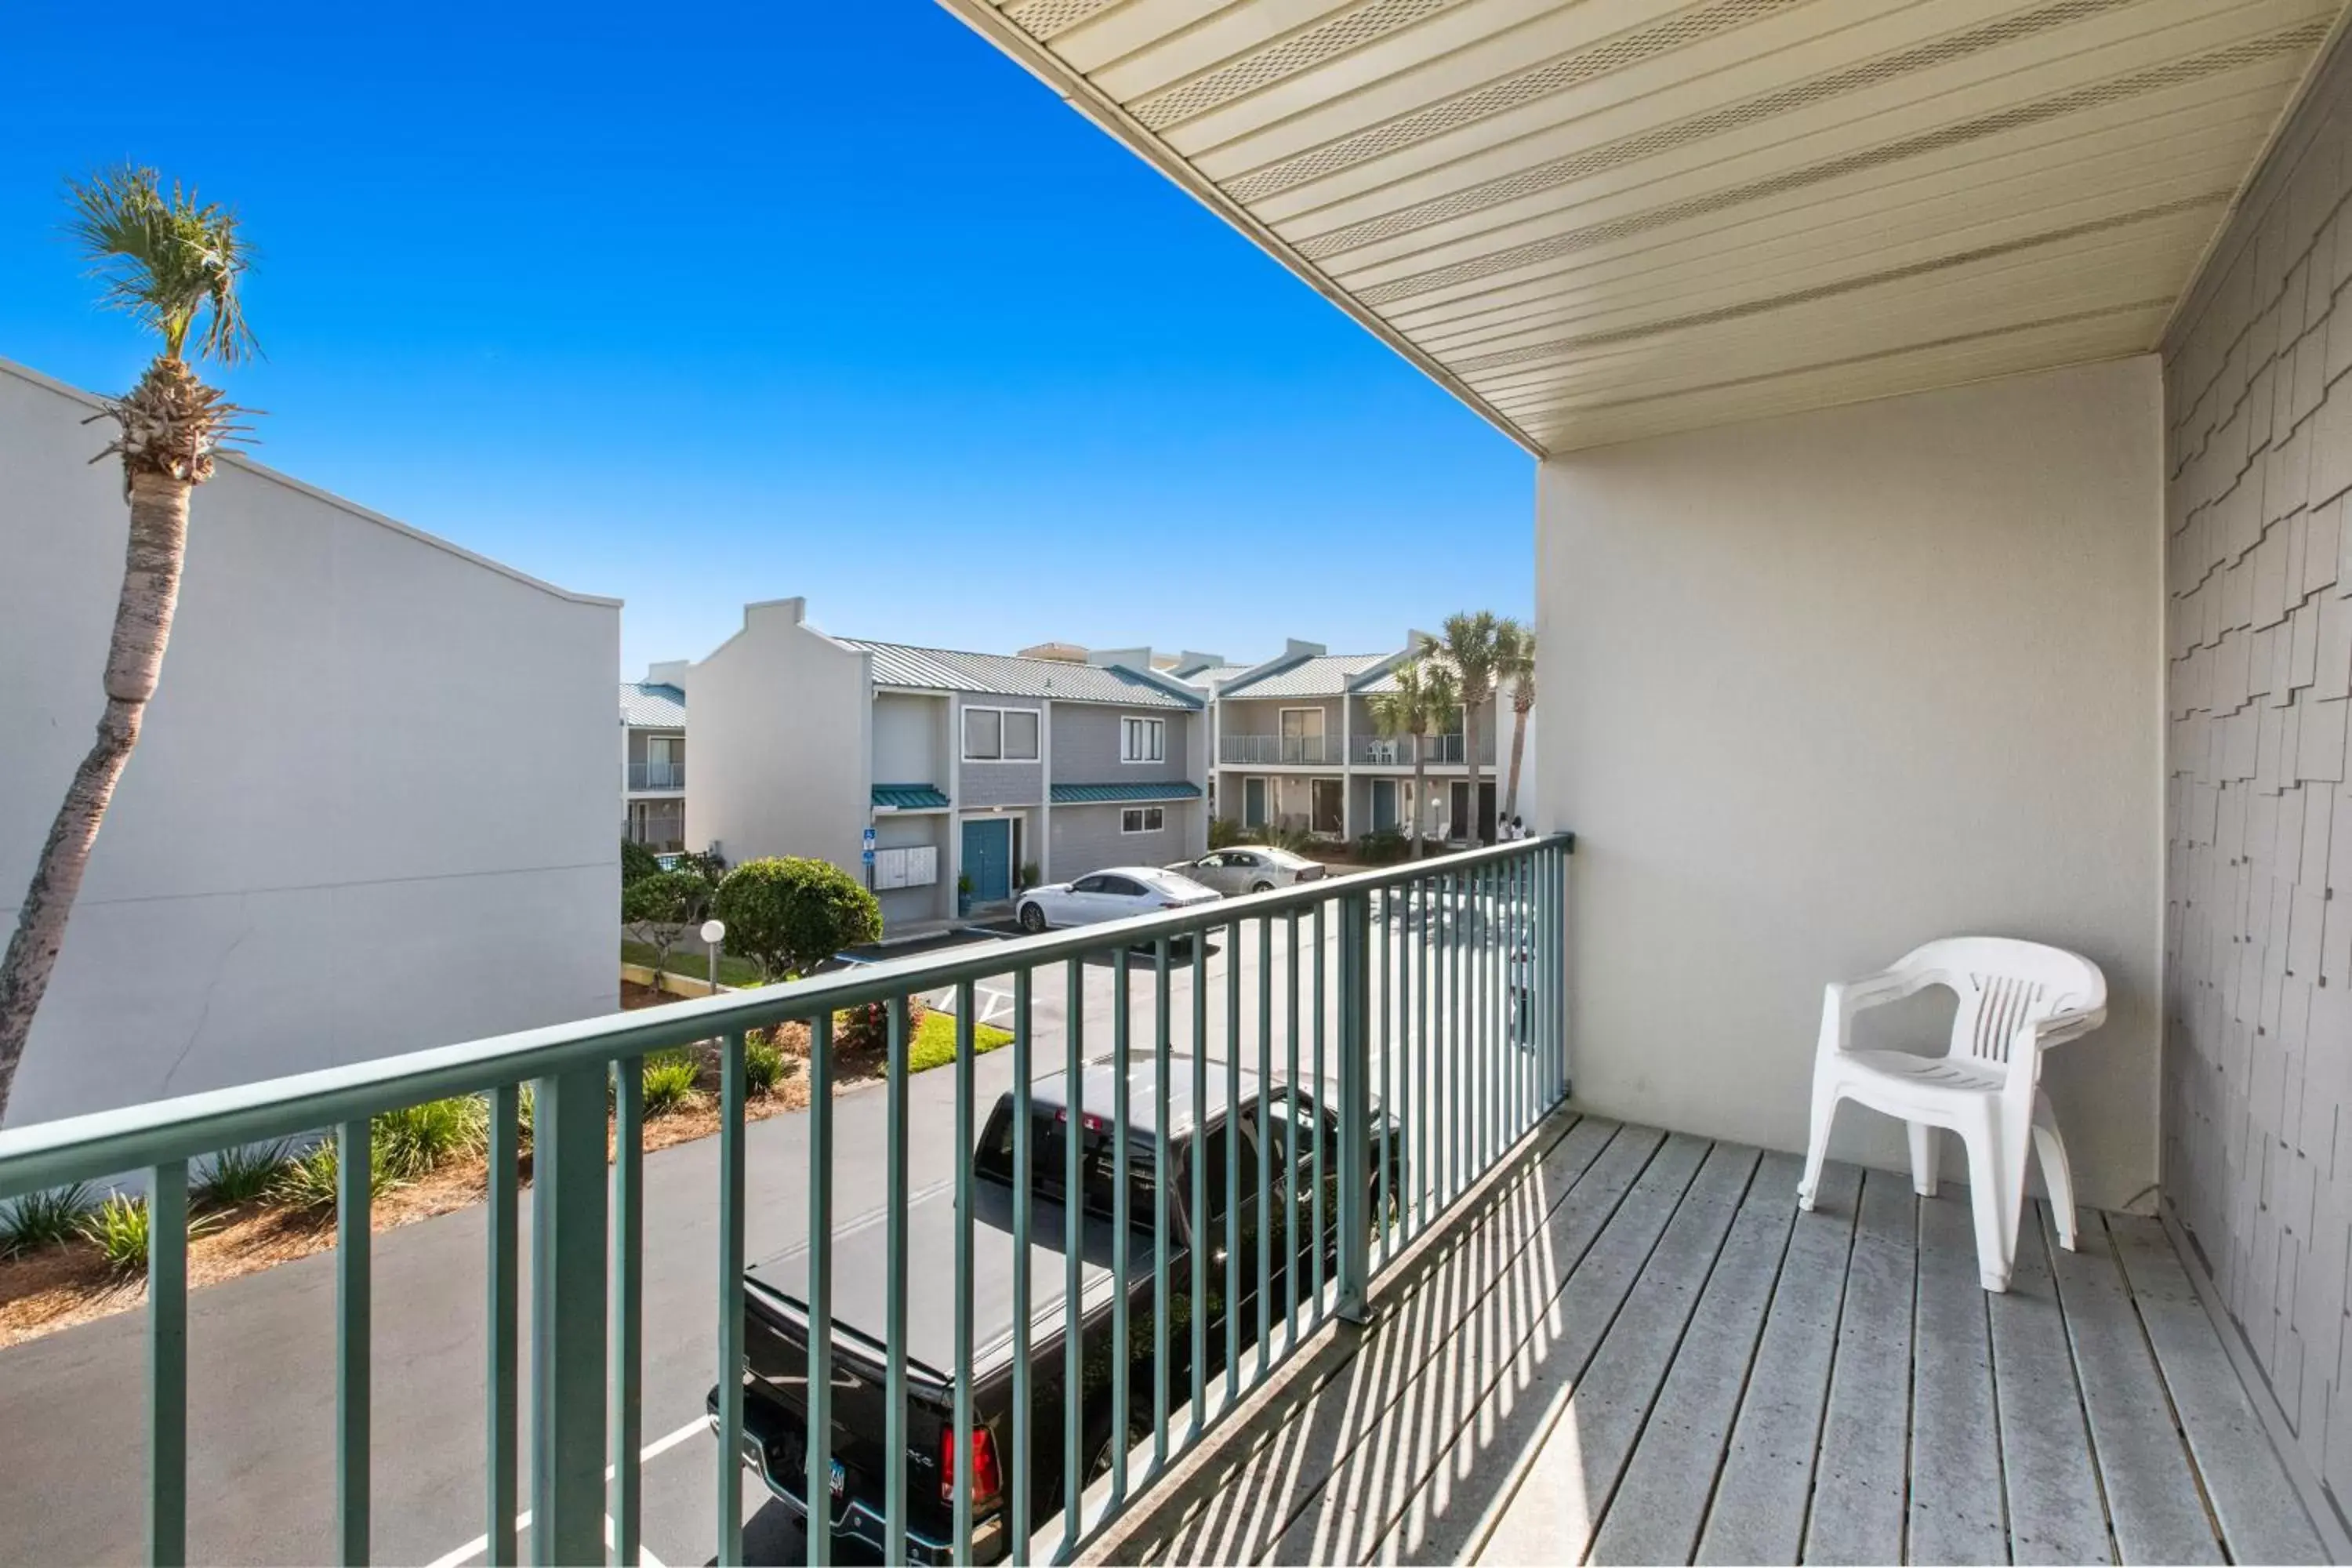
{"points": [[1087, 839], [2258, 1010], [1085, 746], [996, 784]]}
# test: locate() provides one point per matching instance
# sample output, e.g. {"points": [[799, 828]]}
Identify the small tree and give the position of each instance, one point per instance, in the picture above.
{"points": [[788, 915], [1469, 646], [1423, 700], [1515, 671], [658, 908]]}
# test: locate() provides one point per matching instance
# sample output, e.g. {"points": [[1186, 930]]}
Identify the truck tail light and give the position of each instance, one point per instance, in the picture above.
{"points": [[987, 1480]]}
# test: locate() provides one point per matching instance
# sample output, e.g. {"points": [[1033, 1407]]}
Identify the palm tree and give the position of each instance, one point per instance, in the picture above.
{"points": [[1424, 701], [1469, 646], [173, 263], [1515, 669]]}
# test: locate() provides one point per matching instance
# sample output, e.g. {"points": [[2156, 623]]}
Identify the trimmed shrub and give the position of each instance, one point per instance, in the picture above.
{"points": [[1382, 846], [242, 1175], [788, 915], [867, 1027], [637, 861], [43, 1219]]}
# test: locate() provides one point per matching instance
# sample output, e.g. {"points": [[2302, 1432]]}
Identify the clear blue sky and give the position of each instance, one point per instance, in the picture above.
{"points": [[700, 304]]}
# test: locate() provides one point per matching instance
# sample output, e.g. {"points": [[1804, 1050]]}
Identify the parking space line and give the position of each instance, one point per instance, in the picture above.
{"points": [[654, 1449]]}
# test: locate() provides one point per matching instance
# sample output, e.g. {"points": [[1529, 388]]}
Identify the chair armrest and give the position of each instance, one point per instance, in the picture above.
{"points": [[2058, 1028], [1841, 999]]}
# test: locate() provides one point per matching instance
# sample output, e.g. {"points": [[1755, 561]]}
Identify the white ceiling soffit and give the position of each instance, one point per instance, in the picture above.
{"points": [[1596, 220]]}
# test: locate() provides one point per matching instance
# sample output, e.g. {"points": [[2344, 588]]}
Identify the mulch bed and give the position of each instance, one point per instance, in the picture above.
{"points": [[55, 1288]]}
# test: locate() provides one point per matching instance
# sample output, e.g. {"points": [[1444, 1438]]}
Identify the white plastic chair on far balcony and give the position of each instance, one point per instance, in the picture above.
{"points": [[2017, 999]]}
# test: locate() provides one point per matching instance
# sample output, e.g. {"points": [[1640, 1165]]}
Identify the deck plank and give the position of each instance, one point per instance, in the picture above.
{"points": [[1660, 1500], [1957, 1513], [1566, 1488], [1427, 1510], [2055, 1511], [1758, 1511], [1533, 1225], [2262, 1519], [2152, 1496], [1858, 1488]]}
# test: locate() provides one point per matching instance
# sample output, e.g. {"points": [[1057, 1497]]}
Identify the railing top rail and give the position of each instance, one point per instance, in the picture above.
{"points": [[109, 1142]]}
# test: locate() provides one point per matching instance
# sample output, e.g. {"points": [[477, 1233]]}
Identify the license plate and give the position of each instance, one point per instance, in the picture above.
{"points": [[839, 1480]]}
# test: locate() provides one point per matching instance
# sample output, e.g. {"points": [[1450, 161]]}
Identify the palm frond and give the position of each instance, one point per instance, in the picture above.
{"points": [[172, 262]]}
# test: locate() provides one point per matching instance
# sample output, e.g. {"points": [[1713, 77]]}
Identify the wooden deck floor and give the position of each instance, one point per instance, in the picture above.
{"points": [[1634, 1349]]}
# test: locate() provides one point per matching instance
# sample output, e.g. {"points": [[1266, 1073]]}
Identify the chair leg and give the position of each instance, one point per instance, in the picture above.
{"points": [[1990, 1205], [1817, 1144], [1923, 1158], [2056, 1175]]}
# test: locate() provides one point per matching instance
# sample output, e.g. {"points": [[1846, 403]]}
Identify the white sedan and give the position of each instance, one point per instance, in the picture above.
{"points": [[1109, 895], [1250, 868]]}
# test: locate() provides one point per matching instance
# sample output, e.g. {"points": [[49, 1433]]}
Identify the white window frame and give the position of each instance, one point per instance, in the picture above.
{"points": [[963, 735], [1156, 727], [1154, 818]]}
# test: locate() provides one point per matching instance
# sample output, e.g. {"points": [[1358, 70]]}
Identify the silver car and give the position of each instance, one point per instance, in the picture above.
{"points": [[1250, 868], [1115, 893]]}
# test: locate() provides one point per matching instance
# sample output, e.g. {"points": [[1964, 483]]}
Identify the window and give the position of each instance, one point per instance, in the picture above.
{"points": [[1089, 884], [1049, 1162], [1000, 735], [1143, 819], [1121, 888], [1142, 740]]}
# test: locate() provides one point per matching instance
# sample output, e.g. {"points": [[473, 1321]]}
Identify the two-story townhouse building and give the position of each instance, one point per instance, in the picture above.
{"points": [[1297, 744], [994, 766], [652, 758]]}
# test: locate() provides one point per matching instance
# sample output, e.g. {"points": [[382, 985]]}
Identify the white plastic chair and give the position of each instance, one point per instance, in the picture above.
{"points": [[2017, 999]]}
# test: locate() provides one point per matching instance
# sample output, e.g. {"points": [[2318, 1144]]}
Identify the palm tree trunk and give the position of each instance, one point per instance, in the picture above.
{"points": [[1420, 789], [1518, 750], [135, 662], [1470, 755]]}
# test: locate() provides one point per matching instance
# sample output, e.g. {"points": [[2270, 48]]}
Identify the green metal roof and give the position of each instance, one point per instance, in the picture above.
{"points": [[910, 798], [1091, 795]]}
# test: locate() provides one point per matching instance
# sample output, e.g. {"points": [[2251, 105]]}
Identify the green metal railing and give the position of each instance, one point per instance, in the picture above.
{"points": [[1407, 1025]]}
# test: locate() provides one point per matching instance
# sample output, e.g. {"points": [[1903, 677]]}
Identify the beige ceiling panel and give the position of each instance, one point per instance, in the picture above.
{"points": [[1599, 219], [1643, 111]]}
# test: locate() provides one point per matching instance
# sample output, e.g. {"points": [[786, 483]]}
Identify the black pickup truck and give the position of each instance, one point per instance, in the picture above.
{"points": [[776, 1325]]}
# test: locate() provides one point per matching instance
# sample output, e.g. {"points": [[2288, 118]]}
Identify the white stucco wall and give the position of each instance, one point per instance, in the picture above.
{"points": [[783, 737], [1819, 689], [371, 809]]}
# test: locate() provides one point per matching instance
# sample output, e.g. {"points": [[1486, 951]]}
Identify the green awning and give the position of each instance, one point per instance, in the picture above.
{"points": [[1097, 794], [910, 798]]}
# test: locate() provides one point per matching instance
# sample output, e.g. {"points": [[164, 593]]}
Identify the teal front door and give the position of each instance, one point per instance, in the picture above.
{"points": [[988, 858]]}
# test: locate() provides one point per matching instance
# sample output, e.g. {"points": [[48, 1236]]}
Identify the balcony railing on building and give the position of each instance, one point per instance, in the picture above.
{"points": [[1410, 1026], [1279, 751], [656, 775], [1436, 751]]}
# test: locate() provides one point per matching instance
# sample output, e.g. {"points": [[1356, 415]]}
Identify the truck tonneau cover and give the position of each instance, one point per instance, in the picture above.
{"points": [[861, 1261]]}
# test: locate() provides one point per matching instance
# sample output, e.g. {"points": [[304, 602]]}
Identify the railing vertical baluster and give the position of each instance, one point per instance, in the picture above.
{"points": [[1074, 1214], [819, 1446], [731, 1296], [1425, 1051], [568, 1214], [1290, 1151], [1162, 1062], [894, 1309], [1557, 1045], [1197, 1243], [499, 1376], [1316, 1206], [1264, 1316], [1024, 1187], [1516, 1054], [1482, 1017], [1121, 1343], [628, 1299], [354, 1220], [167, 1363], [1233, 1232], [1355, 1108], [1391, 1021], [964, 998]]}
